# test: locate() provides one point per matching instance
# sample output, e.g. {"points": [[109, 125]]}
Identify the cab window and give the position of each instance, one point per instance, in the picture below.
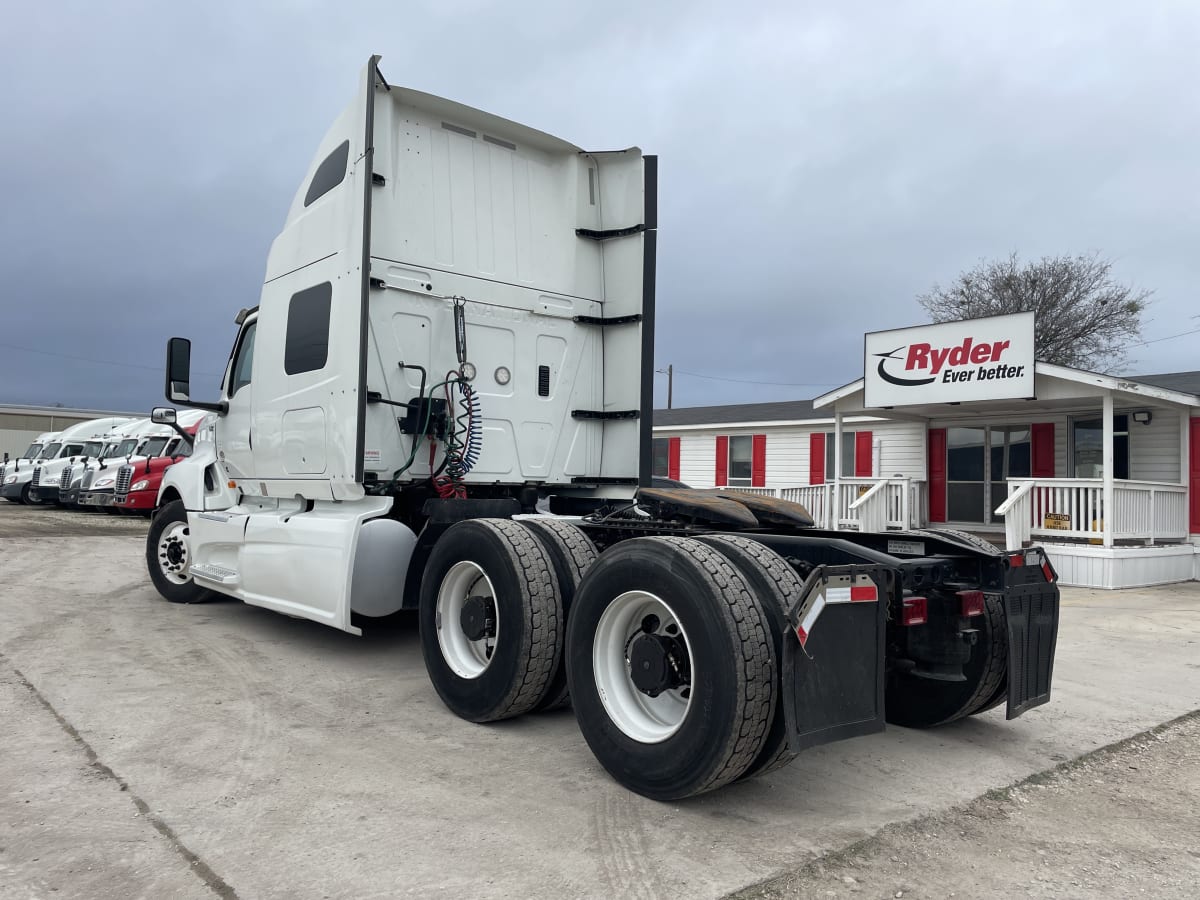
{"points": [[244, 361], [153, 447]]}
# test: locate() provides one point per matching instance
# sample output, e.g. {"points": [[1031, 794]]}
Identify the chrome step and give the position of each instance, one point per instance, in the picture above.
{"points": [[214, 573]]}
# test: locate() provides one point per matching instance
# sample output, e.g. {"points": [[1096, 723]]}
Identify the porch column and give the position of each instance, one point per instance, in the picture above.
{"points": [[1109, 493], [836, 504]]}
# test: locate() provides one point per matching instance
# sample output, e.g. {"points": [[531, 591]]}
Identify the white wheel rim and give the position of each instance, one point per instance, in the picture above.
{"points": [[173, 556], [465, 657], [646, 719]]}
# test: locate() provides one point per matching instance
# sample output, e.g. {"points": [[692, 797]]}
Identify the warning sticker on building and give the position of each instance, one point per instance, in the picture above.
{"points": [[1058, 521]]}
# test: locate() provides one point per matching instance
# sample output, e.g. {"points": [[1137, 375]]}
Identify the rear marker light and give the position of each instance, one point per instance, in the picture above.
{"points": [[916, 611], [971, 602], [1016, 561], [1047, 571]]}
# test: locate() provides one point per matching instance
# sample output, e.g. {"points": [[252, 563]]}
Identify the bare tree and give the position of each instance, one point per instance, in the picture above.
{"points": [[1085, 319]]}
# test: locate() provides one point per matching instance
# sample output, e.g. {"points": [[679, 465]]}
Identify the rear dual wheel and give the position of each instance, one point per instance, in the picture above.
{"points": [[776, 585], [490, 619], [570, 553], [671, 667]]}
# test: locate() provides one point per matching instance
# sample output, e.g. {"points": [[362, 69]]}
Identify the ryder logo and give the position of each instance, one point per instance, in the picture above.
{"points": [[924, 363], [989, 358]]}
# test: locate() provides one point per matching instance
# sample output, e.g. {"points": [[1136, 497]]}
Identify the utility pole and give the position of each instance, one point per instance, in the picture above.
{"points": [[669, 371]]}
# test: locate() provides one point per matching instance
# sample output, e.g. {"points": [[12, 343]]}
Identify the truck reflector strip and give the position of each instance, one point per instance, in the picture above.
{"points": [[809, 618], [837, 590]]}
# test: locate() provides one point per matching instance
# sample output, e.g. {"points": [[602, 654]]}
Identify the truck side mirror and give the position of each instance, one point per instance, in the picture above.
{"points": [[163, 415], [179, 369]]}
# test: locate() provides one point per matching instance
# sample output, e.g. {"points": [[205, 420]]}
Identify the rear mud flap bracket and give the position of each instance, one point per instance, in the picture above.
{"points": [[833, 660]]}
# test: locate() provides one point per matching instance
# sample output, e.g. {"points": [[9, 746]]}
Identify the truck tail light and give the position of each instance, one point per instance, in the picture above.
{"points": [[971, 603], [1047, 571], [915, 612], [1016, 561]]}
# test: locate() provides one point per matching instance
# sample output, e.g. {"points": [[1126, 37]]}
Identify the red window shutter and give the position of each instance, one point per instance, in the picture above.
{"points": [[722, 477], [673, 458], [1042, 450], [816, 458], [1194, 476], [937, 474], [758, 461], [864, 454]]}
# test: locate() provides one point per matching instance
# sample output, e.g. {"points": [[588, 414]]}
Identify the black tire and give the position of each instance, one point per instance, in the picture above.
{"points": [[570, 552], [168, 563], [923, 703], [27, 497], [775, 584], [963, 537], [527, 616], [994, 610], [731, 698]]}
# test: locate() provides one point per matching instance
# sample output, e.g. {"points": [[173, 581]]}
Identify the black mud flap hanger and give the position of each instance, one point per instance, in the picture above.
{"points": [[833, 659], [1031, 614]]}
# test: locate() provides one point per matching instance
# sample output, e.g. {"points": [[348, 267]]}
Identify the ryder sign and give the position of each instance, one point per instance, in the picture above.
{"points": [[954, 362]]}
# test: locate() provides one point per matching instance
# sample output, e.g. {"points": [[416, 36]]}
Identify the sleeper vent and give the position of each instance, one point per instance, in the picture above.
{"points": [[543, 381], [458, 129], [500, 142]]}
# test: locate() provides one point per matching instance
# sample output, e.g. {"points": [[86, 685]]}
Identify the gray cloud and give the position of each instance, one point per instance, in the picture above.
{"points": [[821, 164]]}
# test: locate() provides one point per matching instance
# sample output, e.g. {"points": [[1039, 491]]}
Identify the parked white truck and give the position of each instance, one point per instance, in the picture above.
{"points": [[456, 324], [117, 443], [32, 452], [25, 486]]}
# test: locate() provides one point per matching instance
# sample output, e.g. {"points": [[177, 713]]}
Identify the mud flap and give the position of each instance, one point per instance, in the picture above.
{"points": [[1031, 611], [833, 661]]}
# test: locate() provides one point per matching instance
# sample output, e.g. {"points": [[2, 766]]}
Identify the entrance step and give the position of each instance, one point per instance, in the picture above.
{"points": [[214, 573]]}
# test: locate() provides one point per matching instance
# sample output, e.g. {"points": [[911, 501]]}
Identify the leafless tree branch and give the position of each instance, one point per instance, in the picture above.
{"points": [[1085, 319]]}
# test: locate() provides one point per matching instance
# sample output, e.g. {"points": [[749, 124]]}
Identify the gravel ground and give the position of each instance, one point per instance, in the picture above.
{"points": [[48, 520], [1122, 821]]}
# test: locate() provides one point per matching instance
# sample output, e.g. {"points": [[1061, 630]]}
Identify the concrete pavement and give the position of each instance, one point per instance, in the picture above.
{"points": [[243, 754]]}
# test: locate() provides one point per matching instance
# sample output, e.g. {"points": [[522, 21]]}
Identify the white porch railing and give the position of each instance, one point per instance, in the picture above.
{"points": [[1050, 508], [863, 504]]}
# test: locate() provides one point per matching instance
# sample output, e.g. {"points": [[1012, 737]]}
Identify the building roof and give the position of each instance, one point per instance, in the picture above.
{"points": [[801, 410], [786, 411], [1185, 382], [21, 409]]}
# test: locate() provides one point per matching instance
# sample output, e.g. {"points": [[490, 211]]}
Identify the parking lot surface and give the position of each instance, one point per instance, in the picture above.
{"points": [[154, 750]]}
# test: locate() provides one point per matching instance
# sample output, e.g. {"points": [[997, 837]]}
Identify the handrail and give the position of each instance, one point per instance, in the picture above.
{"points": [[1024, 488], [879, 486]]}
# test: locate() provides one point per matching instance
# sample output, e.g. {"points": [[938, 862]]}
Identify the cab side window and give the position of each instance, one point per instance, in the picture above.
{"points": [[244, 361]]}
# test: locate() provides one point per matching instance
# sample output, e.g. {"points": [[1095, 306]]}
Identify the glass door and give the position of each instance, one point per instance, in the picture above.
{"points": [[1010, 458], [966, 464], [1087, 447]]}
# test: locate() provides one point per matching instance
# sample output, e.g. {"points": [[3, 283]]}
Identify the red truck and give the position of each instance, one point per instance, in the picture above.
{"points": [[138, 484]]}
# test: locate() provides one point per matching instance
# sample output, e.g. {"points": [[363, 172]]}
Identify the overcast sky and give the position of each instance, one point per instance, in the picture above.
{"points": [[821, 164]]}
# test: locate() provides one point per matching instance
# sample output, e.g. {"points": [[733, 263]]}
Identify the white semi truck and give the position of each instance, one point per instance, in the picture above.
{"points": [[23, 483], [455, 329]]}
